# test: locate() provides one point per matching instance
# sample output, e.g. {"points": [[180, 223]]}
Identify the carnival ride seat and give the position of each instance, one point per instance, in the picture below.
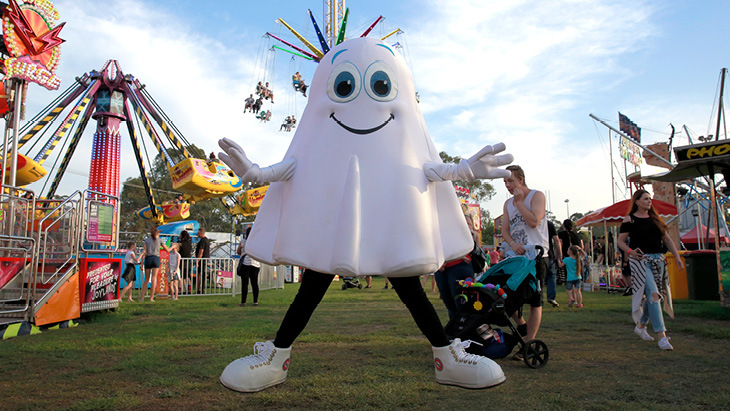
{"points": [[201, 179], [29, 171], [168, 212]]}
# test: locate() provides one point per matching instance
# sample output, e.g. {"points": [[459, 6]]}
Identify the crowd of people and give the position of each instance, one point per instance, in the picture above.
{"points": [[180, 276], [642, 240]]}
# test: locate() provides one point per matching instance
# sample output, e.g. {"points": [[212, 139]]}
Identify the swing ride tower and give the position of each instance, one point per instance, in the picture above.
{"points": [[334, 12]]}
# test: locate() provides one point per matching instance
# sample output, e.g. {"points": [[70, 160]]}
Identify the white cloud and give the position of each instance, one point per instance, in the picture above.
{"points": [[522, 70]]}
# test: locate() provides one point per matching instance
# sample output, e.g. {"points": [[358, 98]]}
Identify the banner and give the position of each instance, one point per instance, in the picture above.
{"points": [[629, 127], [224, 279], [99, 279], [629, 151]]}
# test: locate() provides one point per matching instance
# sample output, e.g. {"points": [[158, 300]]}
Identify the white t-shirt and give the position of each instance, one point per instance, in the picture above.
{"points": [[247, 260], [523, 233], [129, 257]]}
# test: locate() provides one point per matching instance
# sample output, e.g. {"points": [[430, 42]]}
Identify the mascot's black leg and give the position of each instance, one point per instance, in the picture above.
{"points": [[411, 292], [314, 286]]}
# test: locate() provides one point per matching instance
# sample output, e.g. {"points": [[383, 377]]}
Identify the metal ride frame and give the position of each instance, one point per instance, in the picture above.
{"points": [[48, 238]]}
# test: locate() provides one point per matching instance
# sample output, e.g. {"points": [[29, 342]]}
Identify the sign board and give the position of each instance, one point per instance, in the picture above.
{"points": [[703, 152], [99, 282], [629, 151], [101, 223]]}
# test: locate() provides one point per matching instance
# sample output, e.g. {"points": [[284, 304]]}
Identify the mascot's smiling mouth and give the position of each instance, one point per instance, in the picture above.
{"points": [[358, 131]]}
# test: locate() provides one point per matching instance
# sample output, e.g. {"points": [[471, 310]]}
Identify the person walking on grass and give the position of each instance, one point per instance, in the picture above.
{"points": [[647, 234], [152, 246], [524, 223], [202, 253], [248, 270], [130, 269], [573, 264], [173, 271]]}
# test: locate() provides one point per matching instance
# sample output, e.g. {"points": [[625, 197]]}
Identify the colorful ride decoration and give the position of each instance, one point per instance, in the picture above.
{"points": [[203, 179], [31, 40]]}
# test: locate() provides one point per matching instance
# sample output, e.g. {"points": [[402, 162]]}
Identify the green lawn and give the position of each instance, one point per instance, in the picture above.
{"points": [[361, 350]]}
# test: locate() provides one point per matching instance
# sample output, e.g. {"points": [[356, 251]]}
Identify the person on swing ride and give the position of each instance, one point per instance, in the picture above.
{"points": [[285, 124], [257, 105], [267, 93], [249, 103], [362, 139], [298, 83]]}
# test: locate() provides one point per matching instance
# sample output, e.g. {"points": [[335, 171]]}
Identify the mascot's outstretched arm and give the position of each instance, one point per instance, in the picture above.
{"points": [[482, 165], [236, 159]]}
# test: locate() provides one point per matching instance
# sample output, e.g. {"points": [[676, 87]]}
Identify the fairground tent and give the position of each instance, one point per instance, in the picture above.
{"points": [[690, 237], [615, 213]]}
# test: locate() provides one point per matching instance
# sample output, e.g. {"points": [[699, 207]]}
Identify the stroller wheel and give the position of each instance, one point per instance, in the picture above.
{"points": [[344, 286], [536, 353], [359, 286]]}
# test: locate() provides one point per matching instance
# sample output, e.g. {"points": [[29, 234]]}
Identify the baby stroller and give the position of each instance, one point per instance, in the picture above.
{"points": [[491, 301], [351, 282]]}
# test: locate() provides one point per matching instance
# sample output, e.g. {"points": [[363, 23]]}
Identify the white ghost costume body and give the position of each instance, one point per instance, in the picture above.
{"points": [[356, 200]]}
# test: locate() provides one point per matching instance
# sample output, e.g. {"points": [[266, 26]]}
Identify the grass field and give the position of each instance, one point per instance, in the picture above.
{"points": [[361, 350]]}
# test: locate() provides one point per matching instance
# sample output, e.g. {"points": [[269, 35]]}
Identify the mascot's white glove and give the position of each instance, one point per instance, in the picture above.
{"points": [[236, 159], [482, 165]]}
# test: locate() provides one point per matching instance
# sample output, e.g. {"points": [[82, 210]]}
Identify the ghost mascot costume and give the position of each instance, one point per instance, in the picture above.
{"points": [[361, 191]]}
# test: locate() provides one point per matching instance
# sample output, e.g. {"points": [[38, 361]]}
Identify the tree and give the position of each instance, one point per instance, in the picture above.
{"points": [[481, 189], [487, 227]]}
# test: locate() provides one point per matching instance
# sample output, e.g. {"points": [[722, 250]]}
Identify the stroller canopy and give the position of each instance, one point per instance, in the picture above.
{"points": [[518, 268]]}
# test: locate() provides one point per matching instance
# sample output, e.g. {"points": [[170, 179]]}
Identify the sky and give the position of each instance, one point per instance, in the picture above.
{"points": [[521, 72]]}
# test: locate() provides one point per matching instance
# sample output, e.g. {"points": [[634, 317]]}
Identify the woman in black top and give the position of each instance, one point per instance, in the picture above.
{"points": [[186, 252], [648, 236]]}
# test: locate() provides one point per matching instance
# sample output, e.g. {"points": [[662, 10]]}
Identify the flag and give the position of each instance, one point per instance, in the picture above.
{"points": [[629, 127]]}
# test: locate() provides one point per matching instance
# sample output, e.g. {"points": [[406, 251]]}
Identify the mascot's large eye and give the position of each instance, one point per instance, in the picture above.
{"points": [[380, 82], [344, 83]]}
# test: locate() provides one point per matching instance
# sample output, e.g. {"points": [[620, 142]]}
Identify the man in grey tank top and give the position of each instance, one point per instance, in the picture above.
{"points": [[524, 223]]}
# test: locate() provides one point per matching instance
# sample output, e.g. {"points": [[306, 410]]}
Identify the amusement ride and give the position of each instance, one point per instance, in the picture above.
{"points": [[59, 253]]}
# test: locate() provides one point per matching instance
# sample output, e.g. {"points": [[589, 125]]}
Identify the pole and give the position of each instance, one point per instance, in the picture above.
{"points": [[610, 164], [713, 209], [17, 106], [719, 105], [632, 140]]}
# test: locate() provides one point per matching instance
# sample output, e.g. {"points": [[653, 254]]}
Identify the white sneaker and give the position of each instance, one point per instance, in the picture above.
{"points": [[265, 368], [641, 332], [455, 367], [664, 344]]}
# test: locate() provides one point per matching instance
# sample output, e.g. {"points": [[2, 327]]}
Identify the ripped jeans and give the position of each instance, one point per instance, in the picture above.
{"points": [[652, 310]]}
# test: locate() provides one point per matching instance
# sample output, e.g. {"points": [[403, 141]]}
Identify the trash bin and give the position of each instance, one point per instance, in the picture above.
{"points": [[702, 279], [677, 277]]}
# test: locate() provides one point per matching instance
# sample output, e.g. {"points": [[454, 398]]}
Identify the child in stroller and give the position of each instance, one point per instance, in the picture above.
{"points": [[489, 301], [351, 282]]}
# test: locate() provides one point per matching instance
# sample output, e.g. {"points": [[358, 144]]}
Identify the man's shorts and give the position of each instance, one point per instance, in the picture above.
{"points": [[541, 267], [569, 285], [151, 261]]}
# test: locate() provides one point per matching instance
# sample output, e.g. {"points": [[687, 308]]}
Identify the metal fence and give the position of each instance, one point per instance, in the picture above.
{"points": [[217, 276]]}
